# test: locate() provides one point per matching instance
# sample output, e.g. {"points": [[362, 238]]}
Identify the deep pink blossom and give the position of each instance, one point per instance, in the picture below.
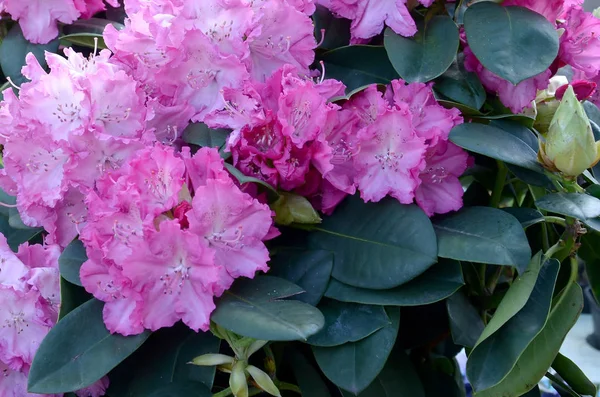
{"points": [[580, 43]]}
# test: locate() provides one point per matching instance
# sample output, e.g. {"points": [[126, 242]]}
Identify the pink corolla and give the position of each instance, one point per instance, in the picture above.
{"points": [[165, 234], [440, 190], [550, 9], [38, 18], [391, 156], [580, 43]]}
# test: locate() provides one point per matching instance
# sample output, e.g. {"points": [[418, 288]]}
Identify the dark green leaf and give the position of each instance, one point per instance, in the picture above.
{"points": [[70, 261], [163, 361], [437, 283], [90, 40], [308, 378], [255, 308], [243, 179], [180, 389], [377, 245], [483, 235], [527, 216], [573, 376], [539, 355], [354, 365], [427, 54], [16, 237], [309, 269], [518, 130], [495, 143], [514, 43], [71, 297], [461, 86], [465, 322], [495, 355], [336, 30], [590, 253], [397, 378], [200, 134], [359, 65], [577, 205], [15, 47], [348, 322], [78, 351], [90, 25]]}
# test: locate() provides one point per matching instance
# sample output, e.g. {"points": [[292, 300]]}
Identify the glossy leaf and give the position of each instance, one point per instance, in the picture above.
{"points": [[348, 322], [78, 351], [16, 237], [576, 205], [427, 54], [336, 30], [495, 143], [541, 352], [495, 355], [590, 253], [573, 376], [514, 43], [71, 297], [526, 216], [90, 40], [359, 65], [200, 134], [255, 308], [309, 269], [243, 179], [377, 245], [465, 322], [354, 365], [308, 378], [483, 235], [15, 47], [461, 86], [437, 283], [397, 378], [70, 261], [90, 25]]}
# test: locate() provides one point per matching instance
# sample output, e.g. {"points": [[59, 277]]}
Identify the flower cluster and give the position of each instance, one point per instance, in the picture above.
{"points": [[65, 129], [579, 48], [165, 234], [184, 53], [38, 18], [30, 296]]}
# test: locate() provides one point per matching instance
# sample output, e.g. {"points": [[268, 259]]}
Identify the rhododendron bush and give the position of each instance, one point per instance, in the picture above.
{"points": [[322, 198]]}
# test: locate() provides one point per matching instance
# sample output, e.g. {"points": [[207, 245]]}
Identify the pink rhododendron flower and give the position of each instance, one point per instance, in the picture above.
{"points": [[550, 9], [579, 44], [440, 190]]}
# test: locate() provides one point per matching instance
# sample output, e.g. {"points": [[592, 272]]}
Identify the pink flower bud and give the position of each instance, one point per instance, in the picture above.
{"points": [[583, 90]]}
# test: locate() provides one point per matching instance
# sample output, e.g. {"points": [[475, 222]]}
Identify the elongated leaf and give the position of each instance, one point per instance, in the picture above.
{"points": [[577, 205], [437, 283], [243, 179], [590, 253], [70, 261], [359, 65], [527, 216], [78, 351], [461, 86], [90, 25], [180, 389], [90, 40], [15, 47], [397, 378], [308, 378], [354, 365], [16, 237], [200, 134], [495, 355], [348, 322], [495, 143], [483, 235], [574, 376], [377, 245], [541, 352], [513, 42], [71, 297], [309, 269], [336, 30], [255, 308], [427, 54], [465, 323]]}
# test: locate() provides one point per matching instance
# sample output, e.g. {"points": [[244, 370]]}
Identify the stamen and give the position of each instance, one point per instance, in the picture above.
{"points": [[13, 84]]}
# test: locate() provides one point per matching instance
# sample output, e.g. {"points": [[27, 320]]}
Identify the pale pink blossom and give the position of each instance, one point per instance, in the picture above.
{"points": [[580, 43]]}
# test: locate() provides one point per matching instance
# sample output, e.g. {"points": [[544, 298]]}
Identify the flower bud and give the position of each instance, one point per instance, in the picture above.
{"points": [[292, 208], [263, 380], [583, 89], [569, 146], [237, 380], [212, 359]]}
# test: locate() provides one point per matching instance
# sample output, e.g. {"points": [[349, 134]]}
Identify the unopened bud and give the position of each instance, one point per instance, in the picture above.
{"points": [[583, 89], [293, 208], [237, 380], [212, 359], [569, 146], [263, 380]]}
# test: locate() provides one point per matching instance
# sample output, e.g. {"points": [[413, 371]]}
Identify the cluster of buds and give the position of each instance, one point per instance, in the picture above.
{"points": [[238, 366], [569, 146]]}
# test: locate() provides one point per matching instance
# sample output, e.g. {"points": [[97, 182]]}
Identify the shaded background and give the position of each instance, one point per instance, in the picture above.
{"points": [[591, 4]]}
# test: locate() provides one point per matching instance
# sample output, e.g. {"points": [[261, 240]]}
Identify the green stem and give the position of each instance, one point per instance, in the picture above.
{"points": [[223, 393], [288, 386], [556, 219], [493, 281], [554, 249], [499, 185], [270, 362]]}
